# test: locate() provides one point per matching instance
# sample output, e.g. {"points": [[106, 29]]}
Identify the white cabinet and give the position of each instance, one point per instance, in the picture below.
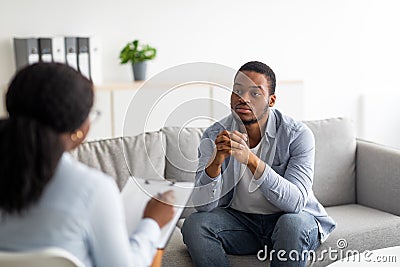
{"points": [[150, 109], [220, 101], [120, 101], [102, 128]]}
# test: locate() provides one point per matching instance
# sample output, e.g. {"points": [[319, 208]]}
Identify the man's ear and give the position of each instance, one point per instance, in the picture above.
{"points": [[272, 100]]}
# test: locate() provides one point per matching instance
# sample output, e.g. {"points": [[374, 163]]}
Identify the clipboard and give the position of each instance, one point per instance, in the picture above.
{"points": [[138, 191]]}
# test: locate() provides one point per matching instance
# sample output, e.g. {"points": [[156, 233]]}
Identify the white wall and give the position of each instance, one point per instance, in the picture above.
{"points": [[340, 49]]}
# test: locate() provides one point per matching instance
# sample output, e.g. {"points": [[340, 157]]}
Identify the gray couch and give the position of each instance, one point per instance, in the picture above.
{"points": [[358, 182]]}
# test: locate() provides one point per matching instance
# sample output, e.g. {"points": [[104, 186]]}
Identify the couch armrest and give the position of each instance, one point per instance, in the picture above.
{"points": [[378, 176]]}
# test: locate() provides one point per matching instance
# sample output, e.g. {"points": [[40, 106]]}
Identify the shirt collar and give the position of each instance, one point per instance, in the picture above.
{"points": [[270, 129]]}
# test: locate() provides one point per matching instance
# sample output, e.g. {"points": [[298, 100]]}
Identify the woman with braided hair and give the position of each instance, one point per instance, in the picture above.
{"points": [[49, 199]]}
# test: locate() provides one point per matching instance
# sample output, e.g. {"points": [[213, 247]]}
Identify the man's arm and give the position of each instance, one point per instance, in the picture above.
{"points": [[207, 189], [290, 191]]}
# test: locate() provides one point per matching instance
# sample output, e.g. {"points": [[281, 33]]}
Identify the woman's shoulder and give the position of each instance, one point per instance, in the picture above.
{"points": [[79, 183], [76, 170]]}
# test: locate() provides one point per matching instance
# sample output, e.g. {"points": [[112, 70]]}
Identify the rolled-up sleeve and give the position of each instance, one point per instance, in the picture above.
{"points": [[207, 190]]}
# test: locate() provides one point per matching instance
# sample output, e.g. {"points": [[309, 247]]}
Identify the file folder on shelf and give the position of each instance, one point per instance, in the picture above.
{"points": [[80, 53], [45, 50], [95, 60], [84, 57], [26, 51], [71, 53]]}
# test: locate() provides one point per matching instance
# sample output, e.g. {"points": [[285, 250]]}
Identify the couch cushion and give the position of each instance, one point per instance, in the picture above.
{"points": [[378, 181], [334, 179], [335, 155], [181, 152], [106, 156], [182, 157], [360, 228], [145, 155]]}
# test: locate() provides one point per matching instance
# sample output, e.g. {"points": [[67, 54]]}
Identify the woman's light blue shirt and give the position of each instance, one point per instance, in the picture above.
{"points": [[81, 211]]}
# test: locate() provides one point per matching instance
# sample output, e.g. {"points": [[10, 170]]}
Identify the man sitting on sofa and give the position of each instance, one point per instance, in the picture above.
{"points": [[254, 182]]}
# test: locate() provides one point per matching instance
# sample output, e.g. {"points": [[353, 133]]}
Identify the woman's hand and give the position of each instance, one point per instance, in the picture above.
{"points": [[161, 209]]}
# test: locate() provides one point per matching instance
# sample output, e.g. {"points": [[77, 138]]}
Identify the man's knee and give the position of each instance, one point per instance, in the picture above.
{"points": [[293, 225], [290, 220], [194, 225], [191, 222]]}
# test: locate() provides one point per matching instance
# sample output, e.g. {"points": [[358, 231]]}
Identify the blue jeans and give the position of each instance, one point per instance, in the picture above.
{"points": [[209, 236]]}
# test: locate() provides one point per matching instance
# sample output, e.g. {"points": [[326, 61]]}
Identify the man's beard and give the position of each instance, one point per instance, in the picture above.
{"points": [[252, 121]]}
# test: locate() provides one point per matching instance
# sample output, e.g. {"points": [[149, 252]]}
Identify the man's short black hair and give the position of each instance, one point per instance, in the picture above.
{"points": [[261, 68]]}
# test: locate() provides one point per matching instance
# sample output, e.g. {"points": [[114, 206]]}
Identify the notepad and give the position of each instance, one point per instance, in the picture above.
{"points": [[137, 192]]}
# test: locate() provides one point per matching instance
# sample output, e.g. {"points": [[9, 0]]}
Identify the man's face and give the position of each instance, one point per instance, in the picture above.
{"points": [[250, 97]]}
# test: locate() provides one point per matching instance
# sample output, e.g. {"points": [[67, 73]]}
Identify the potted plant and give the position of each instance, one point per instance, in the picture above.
{"points": [[137, 55]]}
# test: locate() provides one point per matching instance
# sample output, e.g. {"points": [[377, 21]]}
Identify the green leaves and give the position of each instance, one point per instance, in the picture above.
{"points": [[134, 52]]}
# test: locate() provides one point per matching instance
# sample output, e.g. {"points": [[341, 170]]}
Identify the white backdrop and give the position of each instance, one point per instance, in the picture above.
{"points": [[340, 49]]}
